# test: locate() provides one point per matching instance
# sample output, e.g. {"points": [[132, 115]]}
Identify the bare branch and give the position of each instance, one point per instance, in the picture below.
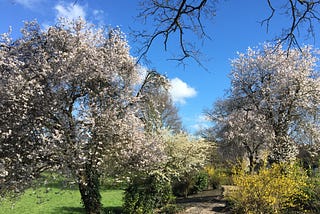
{"points": [[170, 19], [177, 19], [267, 20], [302, 14]]}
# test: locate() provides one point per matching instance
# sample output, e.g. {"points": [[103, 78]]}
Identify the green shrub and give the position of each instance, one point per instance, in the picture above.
{"points": [[190, 184], [145, 194], [200, 183], [272, 190], [182, 187], [170, 209]]}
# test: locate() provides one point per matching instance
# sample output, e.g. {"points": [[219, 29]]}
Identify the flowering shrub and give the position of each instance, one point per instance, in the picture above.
{"points": [[312, 204], [272, 190], [218, 176], [183, 158]]}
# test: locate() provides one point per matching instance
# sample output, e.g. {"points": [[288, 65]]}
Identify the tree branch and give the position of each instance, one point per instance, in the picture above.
{"points": [[171, 18], [302, 13]]}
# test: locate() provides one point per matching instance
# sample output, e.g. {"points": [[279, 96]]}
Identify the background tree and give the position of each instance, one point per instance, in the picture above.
{"points": [[273, 102], [227, 152], [240, 133], [157, 108], [67, 96]]}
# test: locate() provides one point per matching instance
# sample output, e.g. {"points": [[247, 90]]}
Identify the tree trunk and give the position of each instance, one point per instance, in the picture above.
{"points": [[251, 164], [89, 190]]}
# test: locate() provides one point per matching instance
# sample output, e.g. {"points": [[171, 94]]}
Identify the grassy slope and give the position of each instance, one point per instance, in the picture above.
{"points": [[57, 201]]}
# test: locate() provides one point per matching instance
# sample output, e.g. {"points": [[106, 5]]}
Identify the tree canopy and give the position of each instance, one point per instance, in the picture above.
{"points": [[68, 94], [273, 103]]}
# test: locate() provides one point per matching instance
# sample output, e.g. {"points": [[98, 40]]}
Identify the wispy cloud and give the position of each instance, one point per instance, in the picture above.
{"points": [[180, 91], [70, 11], [201, 122], [31, 4], [99, 16]]}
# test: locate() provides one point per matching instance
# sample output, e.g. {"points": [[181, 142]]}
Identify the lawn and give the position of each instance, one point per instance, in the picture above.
{"points": [[53, 200]]}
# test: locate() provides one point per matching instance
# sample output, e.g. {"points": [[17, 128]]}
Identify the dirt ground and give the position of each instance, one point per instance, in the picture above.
{"points": [[206, 202]]}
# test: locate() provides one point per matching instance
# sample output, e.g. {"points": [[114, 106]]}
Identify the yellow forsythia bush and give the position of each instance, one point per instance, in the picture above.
{"points": [[271, 190]]}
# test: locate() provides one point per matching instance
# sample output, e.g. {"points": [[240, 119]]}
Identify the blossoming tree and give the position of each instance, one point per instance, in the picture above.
{"points": [[273, 103], [67, 94]]}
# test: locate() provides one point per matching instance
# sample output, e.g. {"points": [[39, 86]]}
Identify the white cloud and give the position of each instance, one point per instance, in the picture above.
{"points": [[97, 12], [28, 3], [99, 16], [202, 122], [180, 91], [70, 11]]}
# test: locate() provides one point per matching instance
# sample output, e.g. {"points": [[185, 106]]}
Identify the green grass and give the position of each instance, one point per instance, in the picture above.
{"points": [[54, 200]]}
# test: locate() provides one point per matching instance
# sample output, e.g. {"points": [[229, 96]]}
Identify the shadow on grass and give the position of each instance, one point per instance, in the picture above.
{"points": [[80, 210], [113, 210], [69, 210]]}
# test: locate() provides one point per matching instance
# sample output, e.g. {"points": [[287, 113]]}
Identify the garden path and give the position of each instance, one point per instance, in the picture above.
{"points": [[206, 202]]}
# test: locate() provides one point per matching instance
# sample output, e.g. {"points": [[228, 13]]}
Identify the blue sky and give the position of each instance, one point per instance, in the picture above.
{"points": [[235, 28]]}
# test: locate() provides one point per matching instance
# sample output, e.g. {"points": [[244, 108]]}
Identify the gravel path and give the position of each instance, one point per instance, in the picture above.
{"points": [[206, 202]]}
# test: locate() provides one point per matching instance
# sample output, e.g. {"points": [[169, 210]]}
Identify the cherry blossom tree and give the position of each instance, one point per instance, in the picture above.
{"points": [[273, 103], [243, 133], [68, 94]]}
